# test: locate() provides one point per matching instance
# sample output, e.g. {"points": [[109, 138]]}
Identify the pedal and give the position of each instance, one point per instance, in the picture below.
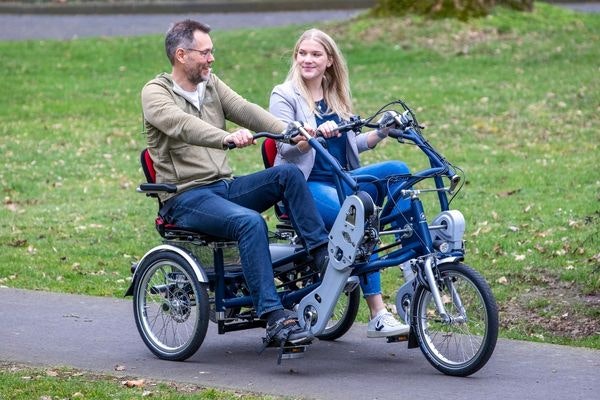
{"points": [[287, 344], [397, 338], [290, 352]]}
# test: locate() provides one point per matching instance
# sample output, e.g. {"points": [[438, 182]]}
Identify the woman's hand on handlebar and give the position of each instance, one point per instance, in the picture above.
{"points": [[240, 138], [328, 129]]}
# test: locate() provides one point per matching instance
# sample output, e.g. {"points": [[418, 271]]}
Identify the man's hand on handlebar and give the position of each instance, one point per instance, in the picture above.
{"points": [[240, 138]]}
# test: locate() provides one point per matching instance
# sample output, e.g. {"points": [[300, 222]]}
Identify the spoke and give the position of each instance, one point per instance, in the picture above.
{"points": [[460, 340]]}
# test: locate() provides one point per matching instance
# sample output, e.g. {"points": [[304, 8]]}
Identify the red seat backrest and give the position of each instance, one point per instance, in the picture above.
{"points": [[269, 151], [148, 166]]}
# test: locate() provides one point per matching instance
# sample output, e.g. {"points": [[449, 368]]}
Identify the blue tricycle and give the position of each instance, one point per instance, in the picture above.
{"points": [[191, 278]]}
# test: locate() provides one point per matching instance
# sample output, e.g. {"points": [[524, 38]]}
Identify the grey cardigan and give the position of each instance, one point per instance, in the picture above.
{"points": [[287, 104]]}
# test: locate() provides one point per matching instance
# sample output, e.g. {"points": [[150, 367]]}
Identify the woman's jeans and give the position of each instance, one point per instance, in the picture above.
{"points": [[232, 209], [328, 203]]}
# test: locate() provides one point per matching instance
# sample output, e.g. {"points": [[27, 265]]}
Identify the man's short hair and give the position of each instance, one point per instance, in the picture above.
{"points": [[181, 34]]}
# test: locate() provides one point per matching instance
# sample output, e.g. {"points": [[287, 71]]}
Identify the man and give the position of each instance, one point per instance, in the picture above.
{"points": [[184, 118]]}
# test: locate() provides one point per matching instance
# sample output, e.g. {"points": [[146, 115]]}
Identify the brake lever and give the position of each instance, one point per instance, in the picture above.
{"points": [[292, 130]]}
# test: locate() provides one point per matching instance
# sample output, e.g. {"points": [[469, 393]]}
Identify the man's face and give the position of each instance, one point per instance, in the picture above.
{"points": [[199, 58]]}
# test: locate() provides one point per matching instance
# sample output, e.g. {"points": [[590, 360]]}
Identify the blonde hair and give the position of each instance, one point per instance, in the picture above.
{"points": [[336, 85]]}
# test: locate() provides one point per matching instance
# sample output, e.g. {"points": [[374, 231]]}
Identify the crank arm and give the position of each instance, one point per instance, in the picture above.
{"points": [[345, 238]]}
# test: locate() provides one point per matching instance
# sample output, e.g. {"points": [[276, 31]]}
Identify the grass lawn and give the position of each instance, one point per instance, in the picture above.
{"points": [[513, 99], [21, 382]]}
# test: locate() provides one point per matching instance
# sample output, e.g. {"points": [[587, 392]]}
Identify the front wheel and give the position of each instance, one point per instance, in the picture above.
{"points": [[463, 343], [170, 306]]}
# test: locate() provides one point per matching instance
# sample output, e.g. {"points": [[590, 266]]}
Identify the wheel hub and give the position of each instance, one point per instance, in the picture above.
{"points": [[178, 306]]}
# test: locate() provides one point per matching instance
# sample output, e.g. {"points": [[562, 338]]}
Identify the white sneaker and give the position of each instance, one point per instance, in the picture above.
{"points": [[384, 325]]}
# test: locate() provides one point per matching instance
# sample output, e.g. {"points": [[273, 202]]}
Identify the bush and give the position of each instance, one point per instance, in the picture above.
{"points": [[461, 9]]}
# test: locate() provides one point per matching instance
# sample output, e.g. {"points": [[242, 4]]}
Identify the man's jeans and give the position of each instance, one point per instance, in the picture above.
{"points": [[232, 209], [328, 203]]}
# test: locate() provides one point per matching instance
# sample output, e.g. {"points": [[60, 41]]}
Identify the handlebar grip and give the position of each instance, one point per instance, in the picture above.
{"points": [[157, 188], [396, 133], [258, 135], [453, 183]]}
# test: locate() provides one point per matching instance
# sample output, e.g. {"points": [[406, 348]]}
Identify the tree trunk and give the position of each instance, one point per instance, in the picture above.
{"points": [[521, 5]]}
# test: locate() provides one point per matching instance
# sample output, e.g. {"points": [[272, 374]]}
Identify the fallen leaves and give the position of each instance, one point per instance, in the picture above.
{"points": [[133, 383], [550, 307], [18, 243], [509, 193]]}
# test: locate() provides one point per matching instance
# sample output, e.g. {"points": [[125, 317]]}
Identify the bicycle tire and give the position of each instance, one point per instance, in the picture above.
{"points": [[170, 306], [343, 316], [465, 344]]}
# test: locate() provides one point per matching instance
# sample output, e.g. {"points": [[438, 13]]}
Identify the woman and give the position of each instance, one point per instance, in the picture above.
{"points": [[317, 92]]}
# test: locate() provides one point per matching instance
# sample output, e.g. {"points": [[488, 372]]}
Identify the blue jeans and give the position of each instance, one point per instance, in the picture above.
{"points": [[328, 203], [232, 209]]}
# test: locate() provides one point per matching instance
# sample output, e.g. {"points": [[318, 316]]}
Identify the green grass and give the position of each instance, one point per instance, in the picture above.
{"points": [[513, 99], [18, 382]]}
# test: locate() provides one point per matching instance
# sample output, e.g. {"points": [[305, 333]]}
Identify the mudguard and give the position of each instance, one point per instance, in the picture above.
{"points": [[190, 258]]}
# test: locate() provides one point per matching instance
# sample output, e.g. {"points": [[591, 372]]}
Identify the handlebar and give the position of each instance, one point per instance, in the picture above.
{"points": [[355, 123], [286, 136], [259, 135], [401, 126]]}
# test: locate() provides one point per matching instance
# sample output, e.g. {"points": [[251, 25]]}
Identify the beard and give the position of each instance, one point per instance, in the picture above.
{"points": [[197, 75]]}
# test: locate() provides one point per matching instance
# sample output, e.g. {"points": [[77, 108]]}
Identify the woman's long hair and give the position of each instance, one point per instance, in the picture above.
{"points": [[336, 85]]}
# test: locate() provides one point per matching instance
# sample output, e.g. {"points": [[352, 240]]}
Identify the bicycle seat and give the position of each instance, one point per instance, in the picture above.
{"points": [[166, 230]]}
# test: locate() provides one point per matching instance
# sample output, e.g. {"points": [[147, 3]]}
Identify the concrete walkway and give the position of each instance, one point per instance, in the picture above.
{"points": [[98, 334], [66, 27]]}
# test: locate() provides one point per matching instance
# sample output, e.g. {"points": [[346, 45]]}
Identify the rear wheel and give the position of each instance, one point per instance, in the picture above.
{"points": [[170, 306], [463, 343], [343, 315]]}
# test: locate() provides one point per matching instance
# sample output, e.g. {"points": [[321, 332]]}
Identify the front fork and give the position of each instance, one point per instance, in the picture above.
{"points": [[429, 262], [428, 266]]}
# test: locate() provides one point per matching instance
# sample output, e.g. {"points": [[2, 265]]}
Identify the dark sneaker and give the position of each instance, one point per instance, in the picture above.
{"points": [[286, 334], [286, 330]]}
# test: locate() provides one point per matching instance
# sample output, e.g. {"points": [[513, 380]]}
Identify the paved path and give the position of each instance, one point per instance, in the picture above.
{"points": [[97, 334], [31, 26]]}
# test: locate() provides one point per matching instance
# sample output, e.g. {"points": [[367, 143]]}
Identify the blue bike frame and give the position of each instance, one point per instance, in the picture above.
{"points": [[419, 243]]}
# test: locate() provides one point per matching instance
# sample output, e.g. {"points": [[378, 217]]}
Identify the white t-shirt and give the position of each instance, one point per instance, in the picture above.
{"points": [[196, 97]]}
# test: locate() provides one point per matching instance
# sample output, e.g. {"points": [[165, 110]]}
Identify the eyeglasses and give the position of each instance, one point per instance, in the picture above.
{"points": [[204, 53]]}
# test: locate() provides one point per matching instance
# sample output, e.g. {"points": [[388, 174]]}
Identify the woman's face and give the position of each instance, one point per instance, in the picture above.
{"points": [[312, 60]]}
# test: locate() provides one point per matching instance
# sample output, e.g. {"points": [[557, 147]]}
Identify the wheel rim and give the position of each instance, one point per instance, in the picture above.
{"points": [[459, 342], [167, 306]]}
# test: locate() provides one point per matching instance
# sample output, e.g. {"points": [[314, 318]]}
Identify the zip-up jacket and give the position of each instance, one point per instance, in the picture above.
{"points": [[185, 143]]}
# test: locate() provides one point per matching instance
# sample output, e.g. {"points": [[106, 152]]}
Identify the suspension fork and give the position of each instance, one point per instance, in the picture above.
{"points": [[457, 302], [437, 298]]}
